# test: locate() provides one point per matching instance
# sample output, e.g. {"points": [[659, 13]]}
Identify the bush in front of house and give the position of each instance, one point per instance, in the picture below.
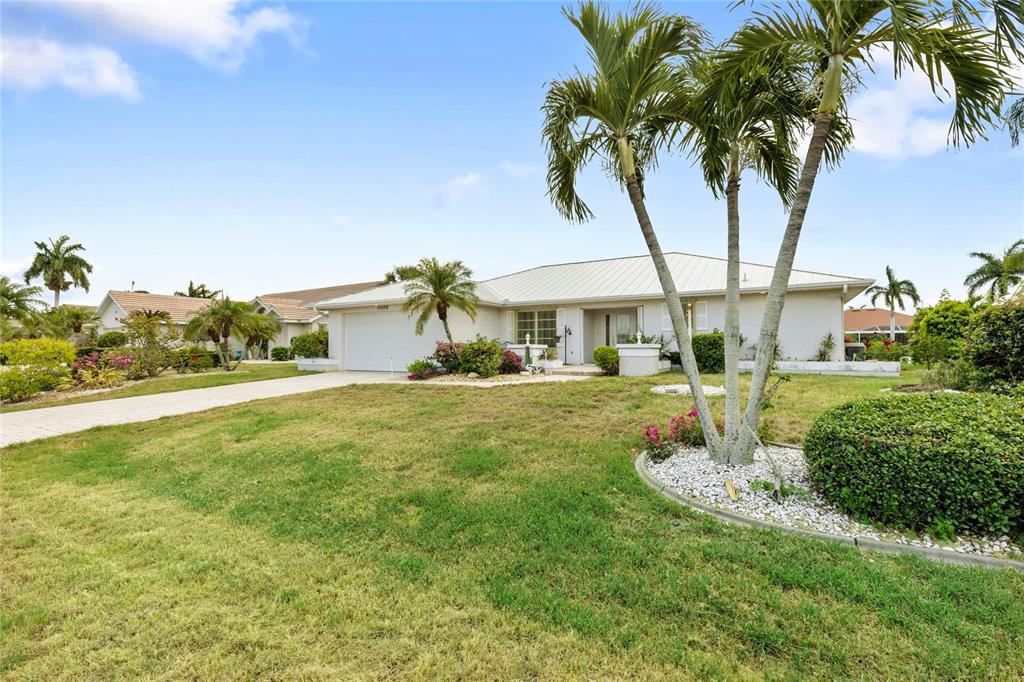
{"points": [[885, 350], [929, 350], [482, 356], [422, 369], [511, 363], [310, 344], [607, 359], [280, 353], [447, 355], [17, 384], [37, 352], [924, 461], [33, 365], [709, 350], [994, 346], [112, 339]]}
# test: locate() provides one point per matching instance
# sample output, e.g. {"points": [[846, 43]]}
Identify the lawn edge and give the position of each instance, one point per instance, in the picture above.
{"points": [[863, 543]]}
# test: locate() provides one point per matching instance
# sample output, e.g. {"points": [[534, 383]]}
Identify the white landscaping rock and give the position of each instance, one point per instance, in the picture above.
{"points": [[684, 389], [690, 471]]}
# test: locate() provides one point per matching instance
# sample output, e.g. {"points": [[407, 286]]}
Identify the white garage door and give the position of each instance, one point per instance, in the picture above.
{"points": [[382, 341]]}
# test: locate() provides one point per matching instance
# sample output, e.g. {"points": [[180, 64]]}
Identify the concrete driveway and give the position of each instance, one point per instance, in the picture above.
{"points": [[43, 422]]}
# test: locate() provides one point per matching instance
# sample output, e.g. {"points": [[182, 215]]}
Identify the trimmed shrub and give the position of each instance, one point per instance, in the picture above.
{"points": [[947, 319], [421, 369], [482, 356], [926, 460], [311, 344], [17, 384], [112, 339], [511, 363], [48, 352], [995, 345], [280, 353], [447, 355], [607, 359], [709, 350]]}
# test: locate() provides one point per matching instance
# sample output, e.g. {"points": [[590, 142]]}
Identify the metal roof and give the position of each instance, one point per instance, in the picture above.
{"points": [[632, 277]]}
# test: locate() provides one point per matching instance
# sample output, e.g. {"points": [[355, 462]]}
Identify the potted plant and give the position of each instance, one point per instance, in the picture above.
{"points": [[550, 359]]}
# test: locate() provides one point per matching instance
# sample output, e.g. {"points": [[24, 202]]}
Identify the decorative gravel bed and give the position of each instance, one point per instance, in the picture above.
{"points": [[684, 389], [691, 472]]}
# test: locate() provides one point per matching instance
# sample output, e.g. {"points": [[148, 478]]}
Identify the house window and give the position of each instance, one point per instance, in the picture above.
{"points": [[541, 325], [622, 328], [700, 314]]}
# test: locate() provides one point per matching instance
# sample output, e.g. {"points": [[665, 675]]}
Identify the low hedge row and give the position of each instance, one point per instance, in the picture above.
{"points": [[926, 461]]}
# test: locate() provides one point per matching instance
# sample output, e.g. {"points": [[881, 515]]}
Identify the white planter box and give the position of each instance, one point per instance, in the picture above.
{"points": [[639, 359], [865, 368], [317, 365], [549, 365], [536, 351]]}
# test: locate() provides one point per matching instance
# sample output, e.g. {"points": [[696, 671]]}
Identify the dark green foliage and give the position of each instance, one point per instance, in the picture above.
{"points": [[995, 345], [929, 349], [311, 344], [607, 358], [947, 319], [924, 460], [710, 352], [281, 353], [112, 339], [482, 356]]}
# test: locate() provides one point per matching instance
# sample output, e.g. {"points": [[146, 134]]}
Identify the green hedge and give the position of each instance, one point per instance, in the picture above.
{"points": [[310, 344], [607, 358], [709, 350], [112, 339], [280, 353], [924, 461], [482, 356]]}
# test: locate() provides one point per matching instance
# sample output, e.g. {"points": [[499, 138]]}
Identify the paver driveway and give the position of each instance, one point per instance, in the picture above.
{"points": [[16, 427]]}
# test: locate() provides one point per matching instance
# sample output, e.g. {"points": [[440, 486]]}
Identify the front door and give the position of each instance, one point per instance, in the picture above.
{"points": [[618, 328]]}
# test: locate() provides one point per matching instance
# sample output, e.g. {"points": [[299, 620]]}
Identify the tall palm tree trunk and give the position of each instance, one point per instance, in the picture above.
{"points": [[892, 321], [56, 297], [732, 312], [443, 316], [675, 311], [769, 336]]}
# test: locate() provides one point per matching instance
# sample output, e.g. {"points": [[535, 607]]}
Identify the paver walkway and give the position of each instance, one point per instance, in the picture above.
{"points": [[43, 422]]}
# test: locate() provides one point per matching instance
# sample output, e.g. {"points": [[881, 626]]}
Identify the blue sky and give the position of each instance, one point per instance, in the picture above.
{"points": [[261, 147]]}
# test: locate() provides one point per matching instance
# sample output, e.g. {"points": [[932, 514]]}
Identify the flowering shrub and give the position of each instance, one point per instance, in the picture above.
{"points": [[886, 350], [657, 447], [421, 369], [447, 355], [511, 363], [99, 371], [685, 429]]}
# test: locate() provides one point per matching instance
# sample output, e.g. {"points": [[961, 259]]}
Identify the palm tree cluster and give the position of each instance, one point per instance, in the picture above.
{"points": [[225, 318], [655, 85]]}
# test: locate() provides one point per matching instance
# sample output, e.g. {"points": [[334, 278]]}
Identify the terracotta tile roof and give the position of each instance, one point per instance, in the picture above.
{"points": [[288, 308], [872, 319], [180, 308], [307, 296]]}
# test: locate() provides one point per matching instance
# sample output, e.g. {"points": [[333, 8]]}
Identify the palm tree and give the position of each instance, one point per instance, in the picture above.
{"points": [[259, 331], [439, 287], [73, 318], [740, 124], [1015, 121], [217, 322], [635, 98], [400, 273], [16, 300], [893, 293], [1000, 275], [838, 40], [198, 291], [56, 262]]}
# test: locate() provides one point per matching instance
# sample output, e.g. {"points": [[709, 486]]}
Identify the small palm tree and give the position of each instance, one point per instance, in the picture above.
{"points": [[893, 292], [72, 318], [634, 98], [198, 291], [259, 331], [59, 266], [437, 288], [217, 322], [16, 300], [1000, 275]]}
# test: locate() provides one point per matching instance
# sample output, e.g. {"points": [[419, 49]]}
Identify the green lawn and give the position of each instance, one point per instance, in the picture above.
{"points": [[424, 532], [170, 381]]}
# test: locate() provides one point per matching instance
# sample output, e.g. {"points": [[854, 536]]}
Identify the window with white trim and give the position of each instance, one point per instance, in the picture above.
{"points": [[700, 316], [666, 318], [541, 325]]}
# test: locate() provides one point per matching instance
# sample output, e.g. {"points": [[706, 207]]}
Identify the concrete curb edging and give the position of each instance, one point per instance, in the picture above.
{"points": [[939, 555]]}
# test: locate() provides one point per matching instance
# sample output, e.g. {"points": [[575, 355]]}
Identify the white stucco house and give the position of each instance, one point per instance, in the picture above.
{"points": [[577, 306], [117, 305], [297, 310]]}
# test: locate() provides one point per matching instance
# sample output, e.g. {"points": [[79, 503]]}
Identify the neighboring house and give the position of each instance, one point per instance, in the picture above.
{"points": [[291, 308], [117, 305], [577, 306], [863, 322]]}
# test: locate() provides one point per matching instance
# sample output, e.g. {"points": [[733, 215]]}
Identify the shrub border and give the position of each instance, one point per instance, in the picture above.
{"points": [[939, 555]]}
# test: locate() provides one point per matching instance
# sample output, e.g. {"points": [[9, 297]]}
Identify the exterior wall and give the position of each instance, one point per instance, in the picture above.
{"points": [[110, 317]]}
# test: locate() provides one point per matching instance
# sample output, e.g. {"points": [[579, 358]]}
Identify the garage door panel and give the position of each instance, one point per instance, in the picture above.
{"points": [[386, 340]]}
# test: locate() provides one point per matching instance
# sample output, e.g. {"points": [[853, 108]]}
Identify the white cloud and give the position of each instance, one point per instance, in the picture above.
{"points": [[212, 32], [34, 63], [341, 221], [460, 187], [12, 268], [519, 170]]}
